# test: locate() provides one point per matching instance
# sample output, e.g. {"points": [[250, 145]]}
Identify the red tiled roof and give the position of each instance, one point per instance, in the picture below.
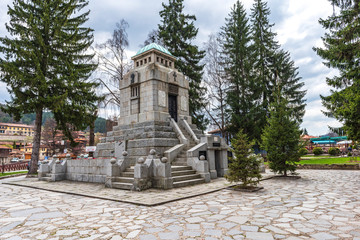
{"points": [[16, 125]]}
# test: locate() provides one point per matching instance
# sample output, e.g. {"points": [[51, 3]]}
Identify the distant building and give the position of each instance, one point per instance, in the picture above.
{"points": [[16, 129], [4, 154], [42, 153]]}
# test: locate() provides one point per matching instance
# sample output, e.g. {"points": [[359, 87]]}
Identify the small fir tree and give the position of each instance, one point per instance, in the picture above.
{"points": [[245, 166], [281, 138]]}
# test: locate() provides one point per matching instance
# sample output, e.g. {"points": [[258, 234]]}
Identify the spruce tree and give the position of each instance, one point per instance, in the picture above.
{"points": [[285, 76], [176, 32], [281, 137], [341, 51], [242, 93], [274, 66], [46, 66], [245, 166]]}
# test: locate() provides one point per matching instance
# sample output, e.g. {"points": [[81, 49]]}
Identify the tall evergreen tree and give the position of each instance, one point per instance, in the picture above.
{"points": [[238, 64], [341, 51], [285, 76], [281, 137], [273, 65], [45, 65], [265, 48], [176, 31]]}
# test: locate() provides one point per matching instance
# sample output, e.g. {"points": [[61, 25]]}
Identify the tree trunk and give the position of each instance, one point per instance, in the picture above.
{"points": [[36, 143], [92, 137]]}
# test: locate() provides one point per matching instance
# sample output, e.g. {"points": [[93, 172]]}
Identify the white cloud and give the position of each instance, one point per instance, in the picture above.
{"points": [[296, 23]]}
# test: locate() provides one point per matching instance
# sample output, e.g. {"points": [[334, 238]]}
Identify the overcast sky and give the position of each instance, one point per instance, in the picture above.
{"points": [[296, 23]]}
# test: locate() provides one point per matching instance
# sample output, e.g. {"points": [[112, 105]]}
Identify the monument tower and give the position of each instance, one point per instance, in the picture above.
{"points": [[155, 144]]}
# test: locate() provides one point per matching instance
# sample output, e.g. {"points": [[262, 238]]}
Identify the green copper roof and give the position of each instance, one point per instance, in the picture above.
{"points": [[153, 46]]}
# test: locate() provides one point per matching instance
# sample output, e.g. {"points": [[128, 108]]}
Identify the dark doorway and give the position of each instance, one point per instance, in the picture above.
{"points": [[173, 106], [217, 163]]}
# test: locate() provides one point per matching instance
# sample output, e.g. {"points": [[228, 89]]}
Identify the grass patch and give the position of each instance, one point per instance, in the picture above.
{"points": [[329, 160], [11, 173], [317, 156]]}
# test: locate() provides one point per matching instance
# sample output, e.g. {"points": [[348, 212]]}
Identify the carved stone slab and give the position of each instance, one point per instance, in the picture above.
{"points": [[162, 98], [184, 103]]}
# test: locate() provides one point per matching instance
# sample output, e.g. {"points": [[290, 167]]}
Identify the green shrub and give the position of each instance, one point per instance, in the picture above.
{"points": [[303, 151], [333, 151], [317, 151], [349, 154]]}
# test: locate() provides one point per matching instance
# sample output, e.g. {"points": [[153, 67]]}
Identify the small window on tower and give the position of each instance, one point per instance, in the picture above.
{"points": [[145, 61], [135, 91], [149, 59], [157, 59], [137, 64]]}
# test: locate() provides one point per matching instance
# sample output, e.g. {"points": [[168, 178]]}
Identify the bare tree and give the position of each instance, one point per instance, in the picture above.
{"points": [[113, 63], [216, 84]]}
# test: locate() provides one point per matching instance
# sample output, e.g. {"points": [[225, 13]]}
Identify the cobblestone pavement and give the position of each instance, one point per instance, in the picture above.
{"points": [[320, 205]]}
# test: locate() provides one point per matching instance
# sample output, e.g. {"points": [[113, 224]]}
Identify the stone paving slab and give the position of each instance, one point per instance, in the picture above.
{"points": [[150, 197], [320, 205]]}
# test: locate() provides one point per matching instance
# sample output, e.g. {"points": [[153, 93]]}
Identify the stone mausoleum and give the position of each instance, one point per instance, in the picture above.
{"points": [[155, 144]]}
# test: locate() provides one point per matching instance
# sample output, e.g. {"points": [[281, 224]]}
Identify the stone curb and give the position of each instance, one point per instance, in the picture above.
{"points": [[13, 175], [131, 202], [117, 200]]}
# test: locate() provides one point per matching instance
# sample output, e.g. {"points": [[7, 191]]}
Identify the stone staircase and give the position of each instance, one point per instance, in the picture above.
{"points": [[126, 179], [182, 174], [185, 176]]}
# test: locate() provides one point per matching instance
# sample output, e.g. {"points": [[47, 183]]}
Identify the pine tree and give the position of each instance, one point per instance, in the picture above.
{"points": [[176, 32], [238, 64], [46, 67], [281, 138], [245, 166], [341, 51]]}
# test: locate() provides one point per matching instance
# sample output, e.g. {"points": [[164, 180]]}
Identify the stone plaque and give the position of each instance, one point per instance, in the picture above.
{"points": [[162, 98], [173, 89], [183, 103]]}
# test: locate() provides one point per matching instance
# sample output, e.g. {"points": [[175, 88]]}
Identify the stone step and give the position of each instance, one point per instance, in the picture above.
{"points": [[180, 168], [180, 159], [120, 185], [129, 169], [188, 182], [186, 177], [47, 179], [180, 164], [183, 173], [124, 179], [48, 175], [127, 174]]}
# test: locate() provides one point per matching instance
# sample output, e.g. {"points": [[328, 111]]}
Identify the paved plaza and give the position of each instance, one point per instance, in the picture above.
{"points": [[320, 205]]}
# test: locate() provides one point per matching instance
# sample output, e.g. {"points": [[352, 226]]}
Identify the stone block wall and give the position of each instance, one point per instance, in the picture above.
{"points": [[87, 170]]}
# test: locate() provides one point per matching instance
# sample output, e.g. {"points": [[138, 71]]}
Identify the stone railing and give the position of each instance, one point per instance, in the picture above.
{"points": [[116, 167], [152, 172], [172, 153], [178, 132], [187, 127]]}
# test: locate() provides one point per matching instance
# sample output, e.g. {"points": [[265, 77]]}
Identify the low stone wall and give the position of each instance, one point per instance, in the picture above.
{"points": [[87, 170], [330, 166]]}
